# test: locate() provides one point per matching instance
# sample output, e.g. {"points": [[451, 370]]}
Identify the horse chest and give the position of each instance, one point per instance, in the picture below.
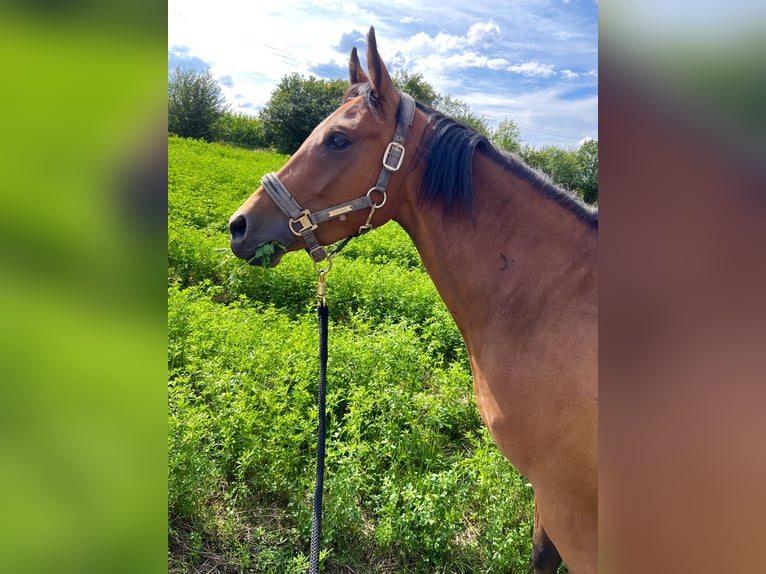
{"points": [[511, 416]]}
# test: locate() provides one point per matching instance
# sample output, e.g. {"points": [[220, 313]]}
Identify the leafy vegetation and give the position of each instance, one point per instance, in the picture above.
{"points": [[507, 136], [195, 104], [296, 107], [573, 169], [416, 86], [414, 482], [240, 129]]}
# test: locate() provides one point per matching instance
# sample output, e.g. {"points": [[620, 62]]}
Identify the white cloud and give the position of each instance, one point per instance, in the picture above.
{"points": [[479, 35], [438, 57], [418, 44], [448, 42], [471, 59], [569, 74], [530, 69], [497, 63], [483, 33]]}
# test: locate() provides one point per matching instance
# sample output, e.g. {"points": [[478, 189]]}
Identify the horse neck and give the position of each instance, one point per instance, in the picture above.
{"points": [[520, 257]]}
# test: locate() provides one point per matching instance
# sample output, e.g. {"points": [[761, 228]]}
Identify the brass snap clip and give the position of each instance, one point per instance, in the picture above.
{"points": [[322, 284]]}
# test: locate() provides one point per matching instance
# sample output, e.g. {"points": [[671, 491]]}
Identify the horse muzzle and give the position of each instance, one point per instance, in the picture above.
{"points": [[260, 236]]}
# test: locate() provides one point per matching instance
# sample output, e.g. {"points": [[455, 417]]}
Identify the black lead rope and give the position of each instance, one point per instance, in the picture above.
{"points": [[322, 314], [316, 517]]}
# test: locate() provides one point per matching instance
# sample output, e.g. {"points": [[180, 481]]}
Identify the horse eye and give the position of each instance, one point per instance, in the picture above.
{"points": [[338, 141]]}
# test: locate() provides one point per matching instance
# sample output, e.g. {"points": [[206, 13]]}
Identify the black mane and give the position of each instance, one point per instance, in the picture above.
{"points": [[448, 146]]}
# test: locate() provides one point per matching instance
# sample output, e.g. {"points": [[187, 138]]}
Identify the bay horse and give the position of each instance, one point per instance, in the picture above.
{"points": [[513, 257]]}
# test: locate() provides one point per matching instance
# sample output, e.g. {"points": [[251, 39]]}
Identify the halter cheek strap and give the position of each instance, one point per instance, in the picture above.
{"points": [[303, 222]]}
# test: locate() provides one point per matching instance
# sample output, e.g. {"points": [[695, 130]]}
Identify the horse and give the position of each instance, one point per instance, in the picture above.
{"points": [[513, 257]]}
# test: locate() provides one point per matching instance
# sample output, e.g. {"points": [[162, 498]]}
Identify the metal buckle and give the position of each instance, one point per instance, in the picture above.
{"points": [[305, 221], [390, 153]]}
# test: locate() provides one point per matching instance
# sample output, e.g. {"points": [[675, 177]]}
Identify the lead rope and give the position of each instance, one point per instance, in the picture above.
{"points": [[316, 517], [322, 314]]}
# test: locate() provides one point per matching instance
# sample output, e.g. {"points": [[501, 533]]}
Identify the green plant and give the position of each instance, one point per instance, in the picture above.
{"points": [[240, 129], [264, 252], [297, 105], [195, 104]]}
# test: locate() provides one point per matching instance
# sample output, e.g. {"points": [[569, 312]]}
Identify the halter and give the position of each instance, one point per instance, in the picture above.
{"points": [[303, 222]]}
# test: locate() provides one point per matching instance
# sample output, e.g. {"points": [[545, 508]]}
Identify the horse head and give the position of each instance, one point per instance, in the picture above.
{"points": [[335, 185]]}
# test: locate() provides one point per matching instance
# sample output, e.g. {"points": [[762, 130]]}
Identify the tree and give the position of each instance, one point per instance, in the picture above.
{"points": [[587, 163], [297, 105], [575, 170], [461, 111], [558, 163], [195, 103], [416, 86], [507, 136]]}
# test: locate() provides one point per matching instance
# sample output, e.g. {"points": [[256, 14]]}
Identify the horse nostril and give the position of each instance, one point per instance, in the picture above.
{"points": [[238, 228]]}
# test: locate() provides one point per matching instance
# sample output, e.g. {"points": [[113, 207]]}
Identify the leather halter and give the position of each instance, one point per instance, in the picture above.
{"points": [[303, 222]]}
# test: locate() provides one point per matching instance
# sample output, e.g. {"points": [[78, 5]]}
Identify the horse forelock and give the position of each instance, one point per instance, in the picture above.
{"points": [[356, 90], [364, 91]]}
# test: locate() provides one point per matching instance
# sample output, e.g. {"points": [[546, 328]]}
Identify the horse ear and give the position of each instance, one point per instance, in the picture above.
{"points": [[355, 73], [382, 86]]}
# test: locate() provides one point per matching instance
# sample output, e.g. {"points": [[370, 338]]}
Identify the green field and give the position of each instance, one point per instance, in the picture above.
{"points": [[414, 482]]}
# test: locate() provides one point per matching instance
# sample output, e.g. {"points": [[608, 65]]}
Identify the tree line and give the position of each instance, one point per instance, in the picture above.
{"points": [[197, 109]]}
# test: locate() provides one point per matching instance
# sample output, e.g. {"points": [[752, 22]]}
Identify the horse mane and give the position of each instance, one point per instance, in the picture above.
{"points": [[448, 148]]}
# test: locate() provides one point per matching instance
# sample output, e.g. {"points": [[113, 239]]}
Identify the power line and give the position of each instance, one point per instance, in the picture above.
{"points": [[285, 56], [546, 131]]}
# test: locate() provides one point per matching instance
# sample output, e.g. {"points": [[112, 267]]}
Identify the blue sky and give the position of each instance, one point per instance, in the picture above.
{"points": [[532, 61]]}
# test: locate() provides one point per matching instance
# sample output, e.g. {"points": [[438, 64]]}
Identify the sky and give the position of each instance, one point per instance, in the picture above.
{"points": [[532, 61]]}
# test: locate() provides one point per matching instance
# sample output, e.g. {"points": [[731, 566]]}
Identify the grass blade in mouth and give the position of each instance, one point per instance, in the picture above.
{"points": [[264, 252]]}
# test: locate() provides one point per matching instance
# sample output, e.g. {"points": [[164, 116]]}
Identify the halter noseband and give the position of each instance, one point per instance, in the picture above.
{"points": [[303, 222]]}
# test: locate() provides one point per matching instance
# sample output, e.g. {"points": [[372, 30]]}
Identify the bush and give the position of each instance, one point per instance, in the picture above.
{"points": [[241, 130]]}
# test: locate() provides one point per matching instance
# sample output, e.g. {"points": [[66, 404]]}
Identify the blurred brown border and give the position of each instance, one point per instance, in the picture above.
{"points": [[682, 315]]}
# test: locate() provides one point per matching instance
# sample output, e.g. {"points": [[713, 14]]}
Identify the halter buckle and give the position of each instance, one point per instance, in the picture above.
{"points": [[393, 156], [305, 222]]}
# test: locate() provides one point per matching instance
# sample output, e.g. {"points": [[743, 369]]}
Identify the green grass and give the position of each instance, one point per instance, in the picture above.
{"points": [[414, 482]]}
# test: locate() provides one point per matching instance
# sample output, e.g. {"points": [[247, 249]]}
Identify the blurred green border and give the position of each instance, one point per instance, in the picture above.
{"points": [[83, 285]]}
